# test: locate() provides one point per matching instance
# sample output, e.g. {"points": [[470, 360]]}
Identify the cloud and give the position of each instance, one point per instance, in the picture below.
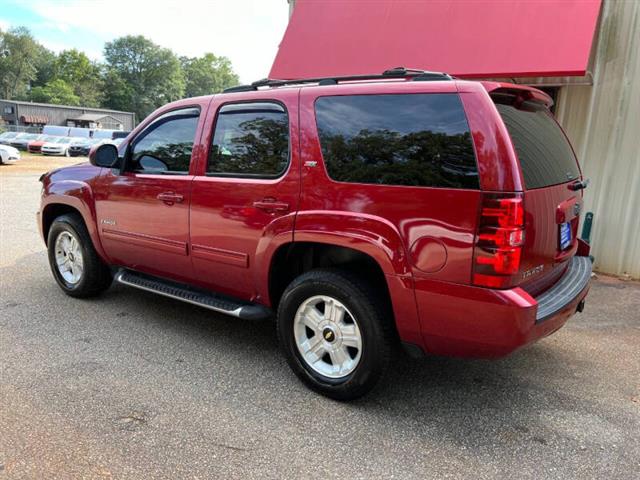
{"points": [[246, 31], [4, 25]]}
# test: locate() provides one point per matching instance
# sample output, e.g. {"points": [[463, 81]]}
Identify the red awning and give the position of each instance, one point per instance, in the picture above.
{"points": [[34, 119], [467, 38]]}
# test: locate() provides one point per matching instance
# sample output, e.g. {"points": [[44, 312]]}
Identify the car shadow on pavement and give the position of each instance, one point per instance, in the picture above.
{"points": [[467, 403]]}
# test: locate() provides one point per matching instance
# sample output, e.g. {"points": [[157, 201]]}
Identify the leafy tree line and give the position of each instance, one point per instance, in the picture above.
{"points": [[136, 76]]}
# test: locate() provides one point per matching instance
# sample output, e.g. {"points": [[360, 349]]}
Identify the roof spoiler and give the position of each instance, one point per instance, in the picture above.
{"points": [[523, 91], [397, 72]]}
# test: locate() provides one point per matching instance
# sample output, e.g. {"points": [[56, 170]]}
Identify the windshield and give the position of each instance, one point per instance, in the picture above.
{"points": [[545, 155]]}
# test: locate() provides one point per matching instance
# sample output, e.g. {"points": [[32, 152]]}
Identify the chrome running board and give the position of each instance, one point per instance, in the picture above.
{"points": [[212, 301]]}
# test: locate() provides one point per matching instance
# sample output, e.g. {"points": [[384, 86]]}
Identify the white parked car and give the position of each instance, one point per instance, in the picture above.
{"points": [[59, 146], [8, 154]]}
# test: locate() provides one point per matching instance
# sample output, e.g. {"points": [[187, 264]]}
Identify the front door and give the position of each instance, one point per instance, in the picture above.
{"points": [[247, 195], [143, 213]]}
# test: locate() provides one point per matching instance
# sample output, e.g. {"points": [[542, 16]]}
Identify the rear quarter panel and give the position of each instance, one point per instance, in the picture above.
{"points": [[413, 233]]}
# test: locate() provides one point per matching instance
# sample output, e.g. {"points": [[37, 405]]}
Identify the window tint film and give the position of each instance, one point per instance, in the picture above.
{"points": [[545, 155], [165, 147], [413, 139], [250, 139]]}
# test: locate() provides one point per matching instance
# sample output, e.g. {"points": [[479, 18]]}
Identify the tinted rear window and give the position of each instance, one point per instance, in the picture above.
{"points": [[251, 139], [411, 139], [545, 155]]}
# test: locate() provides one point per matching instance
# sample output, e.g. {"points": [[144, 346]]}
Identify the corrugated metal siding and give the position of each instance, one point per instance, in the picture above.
{"points": [[603, 123], [58, 115]]}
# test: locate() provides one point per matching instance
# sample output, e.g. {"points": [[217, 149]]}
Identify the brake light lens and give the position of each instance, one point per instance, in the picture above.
{"points": [[499, 240]]}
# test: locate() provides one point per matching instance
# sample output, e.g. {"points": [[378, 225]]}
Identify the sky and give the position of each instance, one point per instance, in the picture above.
{"points": [[246, 31]]}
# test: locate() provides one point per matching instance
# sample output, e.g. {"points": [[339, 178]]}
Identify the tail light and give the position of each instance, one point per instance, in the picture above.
{"points": [[499, 240]]}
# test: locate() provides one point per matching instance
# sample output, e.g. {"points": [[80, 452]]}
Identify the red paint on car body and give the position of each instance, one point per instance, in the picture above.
{"points": [[221, 234]]}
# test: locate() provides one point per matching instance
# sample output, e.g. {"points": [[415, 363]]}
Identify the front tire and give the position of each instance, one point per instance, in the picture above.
{"points": [[75, 264], [335, 333]]}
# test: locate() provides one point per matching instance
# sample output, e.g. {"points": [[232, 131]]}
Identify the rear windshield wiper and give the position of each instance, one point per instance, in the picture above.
{"points": [[579, 185]]}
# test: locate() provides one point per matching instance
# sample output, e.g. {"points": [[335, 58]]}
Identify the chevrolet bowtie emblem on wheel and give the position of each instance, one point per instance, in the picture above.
{"points": [[329, 335]]}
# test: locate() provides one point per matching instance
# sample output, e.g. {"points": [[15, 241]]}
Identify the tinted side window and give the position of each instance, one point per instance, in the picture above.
{"points": [[250, 139], [411, 139], [165, 146], [545, 155]]}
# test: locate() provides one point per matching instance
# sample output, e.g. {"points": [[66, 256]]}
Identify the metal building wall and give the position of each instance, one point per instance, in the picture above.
{"points": [[58, 114], [603, 123]]}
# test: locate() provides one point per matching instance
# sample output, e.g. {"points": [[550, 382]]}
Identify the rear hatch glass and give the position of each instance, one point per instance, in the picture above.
{"points": [[551, 208], [546, 158]]}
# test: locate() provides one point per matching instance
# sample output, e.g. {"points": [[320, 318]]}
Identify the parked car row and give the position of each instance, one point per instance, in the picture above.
{"points": [[52, 144]]}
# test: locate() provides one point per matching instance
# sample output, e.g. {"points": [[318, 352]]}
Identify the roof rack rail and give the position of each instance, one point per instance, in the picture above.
{"points": [[397, 72]]}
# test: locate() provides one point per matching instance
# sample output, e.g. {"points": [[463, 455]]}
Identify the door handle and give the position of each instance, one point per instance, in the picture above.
{"points": [[271, 205], [170, 198]]}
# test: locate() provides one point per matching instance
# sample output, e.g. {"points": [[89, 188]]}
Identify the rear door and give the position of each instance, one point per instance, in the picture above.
{"points": [[551, 175], [245, 198]]}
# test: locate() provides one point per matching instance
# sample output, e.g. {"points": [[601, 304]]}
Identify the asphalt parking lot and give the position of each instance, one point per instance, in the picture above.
{"points": [[131, 385]]}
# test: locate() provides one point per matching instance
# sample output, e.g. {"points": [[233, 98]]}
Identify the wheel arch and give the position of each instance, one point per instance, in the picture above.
{"points": [[58, 201], [294, 258]]}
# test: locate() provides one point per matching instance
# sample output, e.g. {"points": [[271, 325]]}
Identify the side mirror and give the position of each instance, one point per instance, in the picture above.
{"points": [[106, 156]]}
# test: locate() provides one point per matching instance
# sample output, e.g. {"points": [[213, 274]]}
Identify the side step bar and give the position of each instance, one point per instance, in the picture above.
{"points": [[212, 301]]}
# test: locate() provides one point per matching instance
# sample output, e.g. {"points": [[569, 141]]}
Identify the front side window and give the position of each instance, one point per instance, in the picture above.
{"points": [[408, 139], [250, 139], [165, 146]]}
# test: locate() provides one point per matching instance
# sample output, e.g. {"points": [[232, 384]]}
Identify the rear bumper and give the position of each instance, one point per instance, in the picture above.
{"points": [[467, 321], [555, 300]]}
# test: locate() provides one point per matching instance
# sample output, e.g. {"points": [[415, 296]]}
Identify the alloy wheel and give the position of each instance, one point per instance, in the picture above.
{"points": [[327, 336], [69, 261]]}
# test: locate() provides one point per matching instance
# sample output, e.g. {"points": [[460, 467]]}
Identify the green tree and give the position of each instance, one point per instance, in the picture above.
{"points": [[207, 74], [19, 53], [143, 75], [45, 66], [56, 91], [84, 76]]}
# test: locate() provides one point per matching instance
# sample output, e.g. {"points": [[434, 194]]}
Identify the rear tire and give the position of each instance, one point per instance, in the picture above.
{"points": [[342, 359], [74, 262]]}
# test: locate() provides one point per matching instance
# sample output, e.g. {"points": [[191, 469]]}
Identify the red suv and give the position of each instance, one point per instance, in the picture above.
{"points": [[407, 208]]}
